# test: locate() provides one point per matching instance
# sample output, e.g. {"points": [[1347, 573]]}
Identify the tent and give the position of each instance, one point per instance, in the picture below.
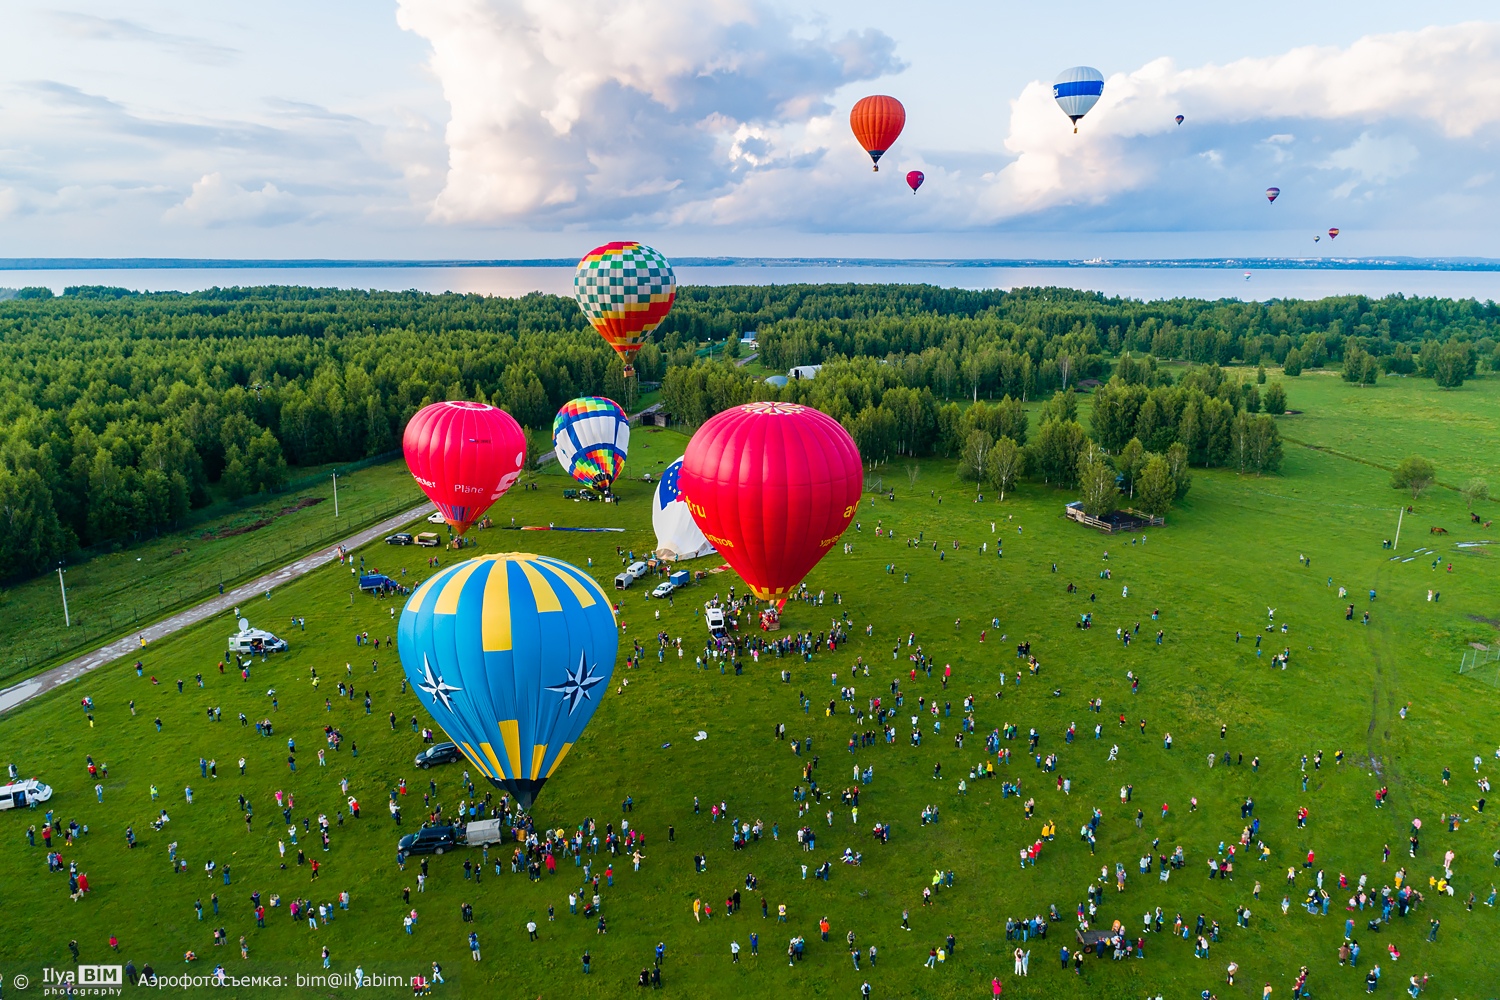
{"points": [[677, 534]]}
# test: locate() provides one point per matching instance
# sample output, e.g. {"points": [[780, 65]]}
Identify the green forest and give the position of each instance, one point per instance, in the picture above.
{"points": [[122, 412]]}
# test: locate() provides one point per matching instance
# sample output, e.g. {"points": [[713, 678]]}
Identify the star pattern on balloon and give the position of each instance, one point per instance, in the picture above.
{"points": [[434, 686], [578, 685]]}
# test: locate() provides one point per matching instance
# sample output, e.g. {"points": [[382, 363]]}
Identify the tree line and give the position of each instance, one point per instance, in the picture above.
{"points": [[121, 412]]}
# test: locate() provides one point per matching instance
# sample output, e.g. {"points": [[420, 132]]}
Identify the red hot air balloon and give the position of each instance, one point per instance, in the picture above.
{"points": [[876, 122], [464, 456], [914, 179], [1272, 194], [773, 486], [1333, 234]]}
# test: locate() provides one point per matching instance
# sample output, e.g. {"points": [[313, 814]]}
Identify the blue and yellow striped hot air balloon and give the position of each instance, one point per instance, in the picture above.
{"points": [[510, 653]]}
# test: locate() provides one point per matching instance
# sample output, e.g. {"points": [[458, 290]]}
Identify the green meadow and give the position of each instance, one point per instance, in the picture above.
{"points": [[1387, 694]]}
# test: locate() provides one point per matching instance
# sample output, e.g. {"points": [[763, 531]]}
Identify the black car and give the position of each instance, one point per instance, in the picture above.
{"points": [[399, 538], [429, 840], [438, 753]]}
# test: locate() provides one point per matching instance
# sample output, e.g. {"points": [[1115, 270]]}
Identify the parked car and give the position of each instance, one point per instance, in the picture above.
{"points": [[714, 619], [429, 840], [255, 640], [429, 539], [636, 569], [436, 517], [399, 538], [438, 753], [21, 794], [664, 589]]}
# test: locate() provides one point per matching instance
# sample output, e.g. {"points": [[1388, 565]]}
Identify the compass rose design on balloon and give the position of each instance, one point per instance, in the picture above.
{"points": [[435, 687], [578, 685]]}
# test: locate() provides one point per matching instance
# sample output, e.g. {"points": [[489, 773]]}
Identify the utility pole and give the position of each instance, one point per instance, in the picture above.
{"points": [[335, 496], [1397, 544], [67, 621]]}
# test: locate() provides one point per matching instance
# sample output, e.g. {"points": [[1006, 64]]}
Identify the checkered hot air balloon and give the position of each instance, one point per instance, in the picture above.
{"points": [[625, 289], [591, 435], [510, 654]]}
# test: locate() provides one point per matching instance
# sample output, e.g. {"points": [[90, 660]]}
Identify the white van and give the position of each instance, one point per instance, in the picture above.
{"points": [[713, 617], [636, 569], [255, 640], [21, 794]]}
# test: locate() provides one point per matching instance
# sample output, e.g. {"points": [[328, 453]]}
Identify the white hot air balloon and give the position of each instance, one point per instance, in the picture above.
{"points": [[677, 534], [1077, 90]]}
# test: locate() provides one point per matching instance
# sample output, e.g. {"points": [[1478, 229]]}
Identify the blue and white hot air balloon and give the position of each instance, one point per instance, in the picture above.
{"points": [[677, 534], [1077, 90], [511, 654], [591, 436]]}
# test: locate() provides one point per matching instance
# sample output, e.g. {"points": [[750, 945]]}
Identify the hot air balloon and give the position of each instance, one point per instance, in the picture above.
{"points": [[592, 437], [877, 121], [1272, 194], [510, 654], [464, 456], [1077, 90], [914, 179], [1317, 239], [773, 486], [1178, 119], [625, 289], [677, 534], [1333, 234]]}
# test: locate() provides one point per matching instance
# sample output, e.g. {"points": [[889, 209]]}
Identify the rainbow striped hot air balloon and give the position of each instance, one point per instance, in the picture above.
{"points": [[625, 289], [592, 437], [511, 654]]}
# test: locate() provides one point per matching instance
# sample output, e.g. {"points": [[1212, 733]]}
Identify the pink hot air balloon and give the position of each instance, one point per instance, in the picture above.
{"points": [[914, 179], [464, 456], [1272, 194], [1333, 234]]}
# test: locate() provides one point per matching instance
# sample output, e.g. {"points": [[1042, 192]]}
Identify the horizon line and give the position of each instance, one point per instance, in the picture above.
{"points": [[1391, 263]]}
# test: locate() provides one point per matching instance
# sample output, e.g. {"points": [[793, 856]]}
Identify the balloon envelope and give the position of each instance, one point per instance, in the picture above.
{"points": [[876, 122], [1333, 234], [591, 436], [1077, 90], [625, 290], [464, 456], [510, 654], [1272, 194], [1178, 119], [677, 534], [773, 486], [914, 179]]}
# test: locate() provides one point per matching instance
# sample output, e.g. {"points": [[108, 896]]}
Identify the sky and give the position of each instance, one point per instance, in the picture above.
{"points": [[441, 129]]}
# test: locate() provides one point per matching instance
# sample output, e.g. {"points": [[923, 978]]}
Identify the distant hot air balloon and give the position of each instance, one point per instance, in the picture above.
{"points": [[510, 654], [1077, 90], [1317, 239], [877, 121], [1272, 194], [773, 486], [677, 534], [625, 289], [591, 435], [914, 179], [1247, 275], [464, 456], [1333, 234], [1179, 119]]}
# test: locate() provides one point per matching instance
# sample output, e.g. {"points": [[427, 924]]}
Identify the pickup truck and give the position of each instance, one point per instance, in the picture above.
{"points": [[438, 839]]}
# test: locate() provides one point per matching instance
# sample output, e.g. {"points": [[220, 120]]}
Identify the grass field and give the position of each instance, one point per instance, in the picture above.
{"points": [[115, 593], [1227, 555]]}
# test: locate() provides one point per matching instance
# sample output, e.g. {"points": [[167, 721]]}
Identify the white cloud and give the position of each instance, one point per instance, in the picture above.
{"points": [[1376, 160], [217, 202], [585, 109]]}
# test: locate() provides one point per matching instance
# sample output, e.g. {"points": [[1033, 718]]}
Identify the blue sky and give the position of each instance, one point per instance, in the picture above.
{"points": [[523, 128]]}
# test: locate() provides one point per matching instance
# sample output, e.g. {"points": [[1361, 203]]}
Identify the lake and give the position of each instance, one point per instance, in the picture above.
{"points": [[1134, 282]]}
